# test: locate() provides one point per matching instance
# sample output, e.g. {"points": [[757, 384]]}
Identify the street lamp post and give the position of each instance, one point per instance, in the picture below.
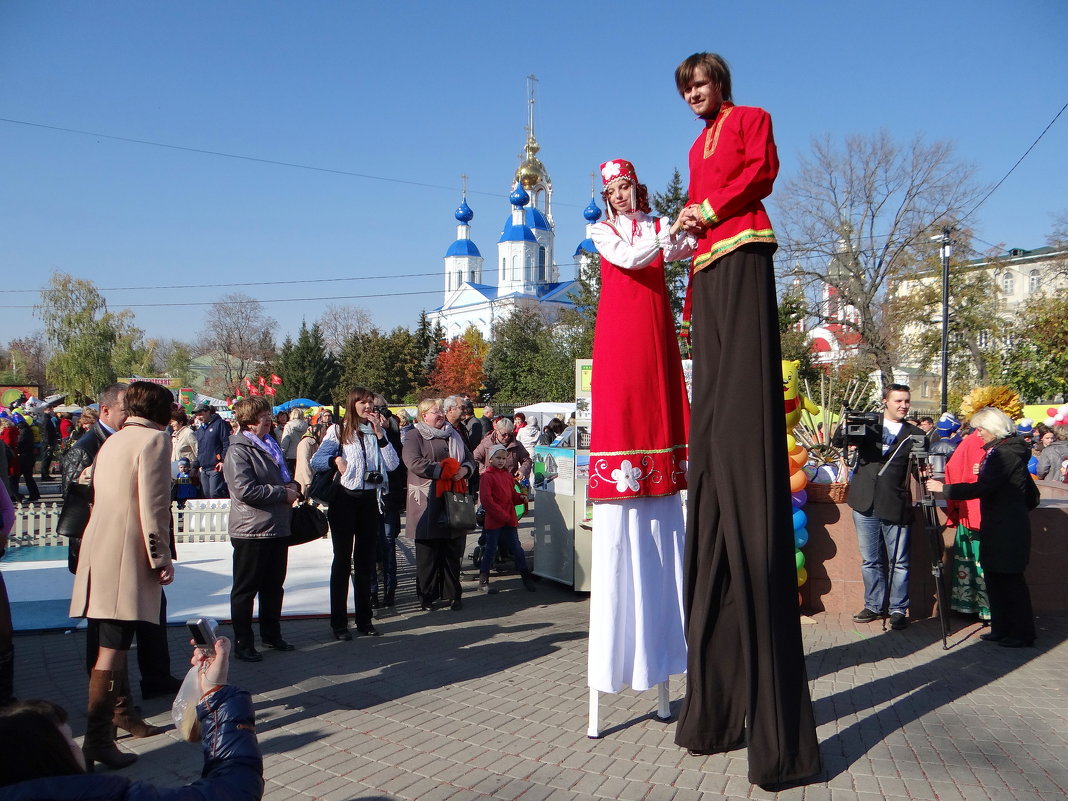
{"points": [[947, 251]]}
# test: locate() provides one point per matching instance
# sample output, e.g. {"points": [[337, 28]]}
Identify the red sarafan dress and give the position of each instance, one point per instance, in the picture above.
{"points": [[640, 418], [640, 415]]}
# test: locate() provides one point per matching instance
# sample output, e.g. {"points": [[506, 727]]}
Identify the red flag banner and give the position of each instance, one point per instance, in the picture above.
{"points": [[269, 391], [262, 380], [248, 384], [253, 392], [275, 379]]}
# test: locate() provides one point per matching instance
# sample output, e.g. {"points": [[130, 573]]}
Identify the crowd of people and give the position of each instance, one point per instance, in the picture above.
{"points": [[138, 451]]}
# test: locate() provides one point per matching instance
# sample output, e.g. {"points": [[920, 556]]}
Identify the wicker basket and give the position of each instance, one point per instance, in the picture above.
{"points": [[835, 492]]}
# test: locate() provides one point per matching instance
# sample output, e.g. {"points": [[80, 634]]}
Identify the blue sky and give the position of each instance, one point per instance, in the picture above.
{"points": [[414, 94]]}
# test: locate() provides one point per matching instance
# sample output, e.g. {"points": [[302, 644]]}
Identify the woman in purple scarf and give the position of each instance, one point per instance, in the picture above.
{"points": [[262, 493]]}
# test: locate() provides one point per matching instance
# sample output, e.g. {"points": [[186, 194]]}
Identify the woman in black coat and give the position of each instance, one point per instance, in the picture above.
{"points": [[1006, 495]]}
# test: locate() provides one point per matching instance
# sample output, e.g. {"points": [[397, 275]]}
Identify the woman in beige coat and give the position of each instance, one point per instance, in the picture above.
{"points": [[125, 556]]}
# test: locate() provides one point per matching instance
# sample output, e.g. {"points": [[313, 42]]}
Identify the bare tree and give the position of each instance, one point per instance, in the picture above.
{"points": [[340, 323], [28, 359], [241, 337], [858, 216]]}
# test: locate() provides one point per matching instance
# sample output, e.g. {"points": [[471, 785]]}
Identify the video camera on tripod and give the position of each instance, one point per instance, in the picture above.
{"points": [[862, 427]]}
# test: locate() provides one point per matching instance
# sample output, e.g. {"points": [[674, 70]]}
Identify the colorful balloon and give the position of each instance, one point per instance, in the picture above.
{"points": [[800, 519], [799, 559], [798, 481], [802, 576], [800, 537], [799, 498]]}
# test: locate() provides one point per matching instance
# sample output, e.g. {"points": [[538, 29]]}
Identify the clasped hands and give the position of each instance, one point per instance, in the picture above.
{"points": [[690, 221]]}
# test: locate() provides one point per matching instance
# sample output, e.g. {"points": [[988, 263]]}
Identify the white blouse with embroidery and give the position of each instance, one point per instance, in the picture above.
{"points": [[631, 241]]}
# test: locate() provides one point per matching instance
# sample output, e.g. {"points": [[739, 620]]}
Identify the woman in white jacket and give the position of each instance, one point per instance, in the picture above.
{"points": [[363, 456]]}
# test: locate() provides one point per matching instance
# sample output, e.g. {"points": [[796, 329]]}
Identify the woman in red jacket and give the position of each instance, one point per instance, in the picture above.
{"points": [[499, 498]]}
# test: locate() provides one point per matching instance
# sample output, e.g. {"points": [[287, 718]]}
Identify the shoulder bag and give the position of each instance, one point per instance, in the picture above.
{"points": [[308, 523], [77, 506]]}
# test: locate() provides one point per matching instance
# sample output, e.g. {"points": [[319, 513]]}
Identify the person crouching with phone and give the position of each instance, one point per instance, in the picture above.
{"points": [[40, 759]]}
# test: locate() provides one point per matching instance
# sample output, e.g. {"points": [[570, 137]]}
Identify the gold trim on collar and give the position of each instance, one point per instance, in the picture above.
{"points": [[712, 134]]}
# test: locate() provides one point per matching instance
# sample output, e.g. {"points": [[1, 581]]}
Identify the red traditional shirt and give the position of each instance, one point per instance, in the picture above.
{"points": [[733, 165]]}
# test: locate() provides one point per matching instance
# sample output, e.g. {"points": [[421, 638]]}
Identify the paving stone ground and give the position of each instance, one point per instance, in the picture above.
{"points": [[490, 703]]}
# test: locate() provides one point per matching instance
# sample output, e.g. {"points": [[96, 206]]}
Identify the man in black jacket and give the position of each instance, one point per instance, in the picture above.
{"points": [[882, 509], [153, 651], [213, 438]]}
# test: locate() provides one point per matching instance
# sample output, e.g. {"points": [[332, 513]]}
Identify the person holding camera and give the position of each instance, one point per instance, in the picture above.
{"points": [[363, 456], [882, 509]]}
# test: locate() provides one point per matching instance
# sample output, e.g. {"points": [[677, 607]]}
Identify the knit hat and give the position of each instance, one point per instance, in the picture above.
{"points": [[947, 424], [495, 449], [616, 170], [1024, 426]]}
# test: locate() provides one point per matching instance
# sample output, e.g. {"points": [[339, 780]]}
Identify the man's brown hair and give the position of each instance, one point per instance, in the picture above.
{"points": [[718, 71]]}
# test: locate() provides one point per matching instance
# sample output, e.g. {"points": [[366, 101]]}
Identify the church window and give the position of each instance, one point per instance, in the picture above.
{"points": [[515, 267], [1034, 281], [541, 265], [504, 266], [1008, 283]]}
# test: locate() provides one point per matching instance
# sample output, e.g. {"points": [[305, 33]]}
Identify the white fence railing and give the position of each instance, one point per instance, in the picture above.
{"points": [[199, 521]]}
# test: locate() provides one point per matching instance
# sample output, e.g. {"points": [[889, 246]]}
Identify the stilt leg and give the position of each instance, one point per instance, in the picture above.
{"points": [[594, 731], [663, 700]]}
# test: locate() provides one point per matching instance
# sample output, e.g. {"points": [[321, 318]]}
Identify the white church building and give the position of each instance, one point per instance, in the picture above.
{"points": [[527, 275]]}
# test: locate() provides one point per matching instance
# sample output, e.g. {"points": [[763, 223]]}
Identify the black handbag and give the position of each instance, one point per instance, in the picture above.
{"points": [[308, 523], [77, 506], [324, 484], [458, 511]]}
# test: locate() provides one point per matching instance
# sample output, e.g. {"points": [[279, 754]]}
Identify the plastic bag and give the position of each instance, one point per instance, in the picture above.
{"points": [[184, 709]]}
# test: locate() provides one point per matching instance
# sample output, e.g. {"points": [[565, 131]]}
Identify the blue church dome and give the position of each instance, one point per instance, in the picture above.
{"points": [[464, 213], [516, 233], [586, 245], [519, 196], [462, 247], [592, 212], [537, 220]]}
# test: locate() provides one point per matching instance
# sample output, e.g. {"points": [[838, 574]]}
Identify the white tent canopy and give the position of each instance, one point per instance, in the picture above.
{"points": [[546, 410]]}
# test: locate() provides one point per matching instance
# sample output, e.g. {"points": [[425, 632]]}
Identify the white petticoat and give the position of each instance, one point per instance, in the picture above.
{"points": [[637, 636]]}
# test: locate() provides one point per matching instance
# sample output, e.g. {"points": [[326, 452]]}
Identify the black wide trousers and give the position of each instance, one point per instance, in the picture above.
{"points": [[746, 682]]}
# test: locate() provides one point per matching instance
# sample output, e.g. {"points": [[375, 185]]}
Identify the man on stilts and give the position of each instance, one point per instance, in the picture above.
{"points": [[747, 684]]}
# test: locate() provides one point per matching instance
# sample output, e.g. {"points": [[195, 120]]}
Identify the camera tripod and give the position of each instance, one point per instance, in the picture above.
{"points": [[922, 467]]}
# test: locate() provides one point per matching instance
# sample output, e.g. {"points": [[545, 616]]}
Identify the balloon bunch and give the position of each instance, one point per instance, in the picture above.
{"points": [[1057, 416], [798, 497]]}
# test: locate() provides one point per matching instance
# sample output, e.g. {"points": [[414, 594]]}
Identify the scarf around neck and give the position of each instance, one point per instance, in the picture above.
{"points": [[456, 445], [272, 449]]}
